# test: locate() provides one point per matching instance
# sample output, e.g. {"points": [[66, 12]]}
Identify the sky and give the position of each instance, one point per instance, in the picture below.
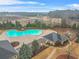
{"points": [[37, 5]]}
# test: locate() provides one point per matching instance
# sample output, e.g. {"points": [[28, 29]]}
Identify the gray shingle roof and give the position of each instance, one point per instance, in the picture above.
{"points": [[5, 54], [6, 45], [55, 37], [6, 50]]}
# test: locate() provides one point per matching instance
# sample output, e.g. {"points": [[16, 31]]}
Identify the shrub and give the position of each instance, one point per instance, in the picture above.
{"points": [[25, 52], [14, 44]]}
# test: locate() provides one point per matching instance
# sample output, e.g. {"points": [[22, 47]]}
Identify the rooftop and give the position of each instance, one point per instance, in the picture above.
{"points": [[55, 37], [6, 50]]}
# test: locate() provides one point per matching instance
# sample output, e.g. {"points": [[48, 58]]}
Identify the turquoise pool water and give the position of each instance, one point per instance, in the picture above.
{"points": [[15, 33]]}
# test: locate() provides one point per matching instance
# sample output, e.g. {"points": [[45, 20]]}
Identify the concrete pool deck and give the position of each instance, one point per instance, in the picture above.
{"points": [[25, 39]]}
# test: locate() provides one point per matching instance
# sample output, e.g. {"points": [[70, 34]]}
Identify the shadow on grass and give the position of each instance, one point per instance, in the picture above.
{"points": [[66, 56]]}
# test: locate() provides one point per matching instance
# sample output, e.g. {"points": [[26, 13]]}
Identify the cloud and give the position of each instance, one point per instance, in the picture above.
{"points": [[12, 2], [31, 8], [25, 9], [13, 5], [73, 6]]}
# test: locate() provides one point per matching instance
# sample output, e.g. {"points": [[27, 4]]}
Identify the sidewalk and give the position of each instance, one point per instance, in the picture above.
{"points": [[52, 53]]}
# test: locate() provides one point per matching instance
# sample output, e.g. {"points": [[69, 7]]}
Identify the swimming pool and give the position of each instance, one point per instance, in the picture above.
{"points": [[15, 33]]}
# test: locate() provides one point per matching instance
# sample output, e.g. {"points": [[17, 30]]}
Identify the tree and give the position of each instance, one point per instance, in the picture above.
{"points": [[78, 27], [18, 25], [63, 23], [77, 40], [1, 26], [69, 51], [4, 25], [74, 26], [50, 24], [25, 52], [9, 25], [35, 46]]}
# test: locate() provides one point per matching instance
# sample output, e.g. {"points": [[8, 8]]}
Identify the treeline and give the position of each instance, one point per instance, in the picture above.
{"points": [[23, 13], [10, 25], [73, 14], [36, 24], [19, 26], [65, 14]]}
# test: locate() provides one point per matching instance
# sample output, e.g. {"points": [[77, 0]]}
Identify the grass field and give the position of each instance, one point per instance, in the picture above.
{"points": [[44, 54]]}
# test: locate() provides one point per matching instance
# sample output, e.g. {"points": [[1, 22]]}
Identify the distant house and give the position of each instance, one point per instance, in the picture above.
{"points": [[72, 21], [7, 51], [56, 21], [54, 38], [53, 21]]}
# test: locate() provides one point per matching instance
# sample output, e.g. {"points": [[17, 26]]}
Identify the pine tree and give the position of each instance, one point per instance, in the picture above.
{"points": [[74, 26], [35, 46], [25, 52], [18, 25]]}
